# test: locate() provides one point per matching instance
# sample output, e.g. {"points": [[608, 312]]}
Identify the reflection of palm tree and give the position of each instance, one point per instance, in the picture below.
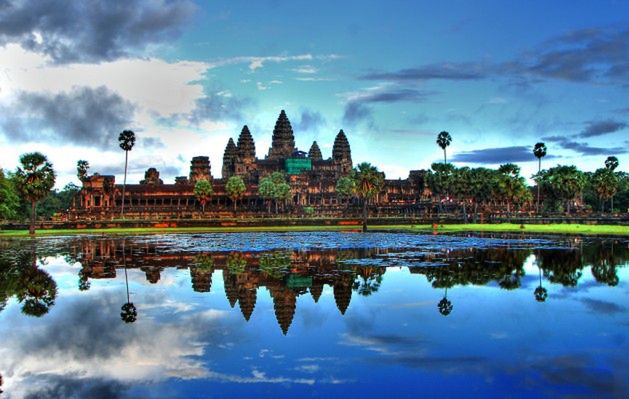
{"points": [[128, 312], [37, 288], [540, 292], [445, 306]]}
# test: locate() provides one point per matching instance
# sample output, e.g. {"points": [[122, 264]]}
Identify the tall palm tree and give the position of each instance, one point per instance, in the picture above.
{"points": [[445, 306], [368, 183], [444, 139], [35, 178], [611, 163], [128, 312], [540, 292], [126, 140], [540, 152]]}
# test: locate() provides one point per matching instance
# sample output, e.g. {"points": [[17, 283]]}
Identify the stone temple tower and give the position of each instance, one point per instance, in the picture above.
{"points": [[246, 152], [283, 142], [229, 159], [342, 154], [315, 152], [200, 169]]}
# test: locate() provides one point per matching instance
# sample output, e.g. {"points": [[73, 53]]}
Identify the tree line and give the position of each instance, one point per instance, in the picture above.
{"points": [[28, 191]]}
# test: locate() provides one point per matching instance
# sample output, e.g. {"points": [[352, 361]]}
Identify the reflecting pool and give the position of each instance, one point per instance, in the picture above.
{"points": [[348, 315]]}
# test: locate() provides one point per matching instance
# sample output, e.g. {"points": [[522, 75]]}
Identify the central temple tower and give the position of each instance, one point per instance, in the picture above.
{"points": [[283, 144]]}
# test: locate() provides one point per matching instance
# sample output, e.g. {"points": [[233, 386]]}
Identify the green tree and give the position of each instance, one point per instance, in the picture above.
{"points": [[611, 163], [235, 188], [126, 141], [345, 188], [82, 167], [605, 184], [369, 181], [443, 140], [202, 191], [510, 186], [441, 180], [563, 183], [266, 189], [9, 199], [35, 178], [540, 152]]}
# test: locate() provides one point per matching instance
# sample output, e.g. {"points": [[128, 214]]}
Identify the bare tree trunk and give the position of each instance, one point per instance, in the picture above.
{"points": [[444, 157], [124, 184], [364, 214], [539, 169], [31, 229]]}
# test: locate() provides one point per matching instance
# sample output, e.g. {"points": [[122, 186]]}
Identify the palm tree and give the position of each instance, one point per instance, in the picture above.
{"points": [[203, 190], [444, 139], [445, 306], [82, 168], [235, 188], [35, 178], [368, 183], [128, 312], [126, 140], [539, 151], [540, 292], [611, 163]]}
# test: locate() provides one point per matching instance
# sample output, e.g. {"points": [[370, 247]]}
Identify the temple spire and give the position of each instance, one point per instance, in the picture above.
{"points": [[246, 145], [342, 154], [315, 152], [283, 141], [229, 159]]}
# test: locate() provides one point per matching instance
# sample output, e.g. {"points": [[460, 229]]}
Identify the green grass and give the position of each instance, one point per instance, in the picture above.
{"points": [[446, 228]]}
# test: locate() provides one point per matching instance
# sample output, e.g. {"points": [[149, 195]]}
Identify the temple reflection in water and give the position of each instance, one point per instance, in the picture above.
{"points": [[288, 274]]}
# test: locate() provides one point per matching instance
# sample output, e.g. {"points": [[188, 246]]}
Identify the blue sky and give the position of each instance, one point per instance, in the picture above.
{"points": [[499, 76]]}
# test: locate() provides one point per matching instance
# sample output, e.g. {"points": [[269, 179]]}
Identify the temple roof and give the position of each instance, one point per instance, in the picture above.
{"points": [[315, 152], [341, 149], [283, 141], [230, 149], [246, 145]]}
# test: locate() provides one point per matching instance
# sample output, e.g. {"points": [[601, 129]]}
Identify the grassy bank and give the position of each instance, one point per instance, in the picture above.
{"points": [[570, 229]]}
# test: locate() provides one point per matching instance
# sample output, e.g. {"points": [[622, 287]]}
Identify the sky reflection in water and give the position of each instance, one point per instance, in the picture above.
{"points": [[314, 315]]}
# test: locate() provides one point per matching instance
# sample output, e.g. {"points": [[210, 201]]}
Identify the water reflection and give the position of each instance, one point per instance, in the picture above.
{"points": [[343, 302], [289, 274], [21, 276]]}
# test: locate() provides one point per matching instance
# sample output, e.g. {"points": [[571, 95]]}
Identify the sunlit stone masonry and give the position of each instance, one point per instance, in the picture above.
{"points": [[312, 179]]}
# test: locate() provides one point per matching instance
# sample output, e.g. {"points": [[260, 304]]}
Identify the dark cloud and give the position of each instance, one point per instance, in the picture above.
{"points": [[357, 109], [598, 306], [497, 155], [64, 387], [599, 128], [310, 120], [584, 149], [356, 112], [446, 71], [83, 116], [577, 371], [87, 31], [577, 56]]}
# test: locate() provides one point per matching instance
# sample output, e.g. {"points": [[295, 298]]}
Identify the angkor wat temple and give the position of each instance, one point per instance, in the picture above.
{"points": [[312, 181]]}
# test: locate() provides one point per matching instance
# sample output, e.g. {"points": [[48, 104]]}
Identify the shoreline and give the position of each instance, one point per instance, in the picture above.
{"points": [[560, 229]]}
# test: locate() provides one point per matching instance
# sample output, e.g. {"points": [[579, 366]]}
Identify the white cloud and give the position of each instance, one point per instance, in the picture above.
{"points": [[156, 86]]}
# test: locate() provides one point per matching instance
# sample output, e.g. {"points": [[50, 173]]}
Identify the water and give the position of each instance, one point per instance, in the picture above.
{"points": [[314, 315]]}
